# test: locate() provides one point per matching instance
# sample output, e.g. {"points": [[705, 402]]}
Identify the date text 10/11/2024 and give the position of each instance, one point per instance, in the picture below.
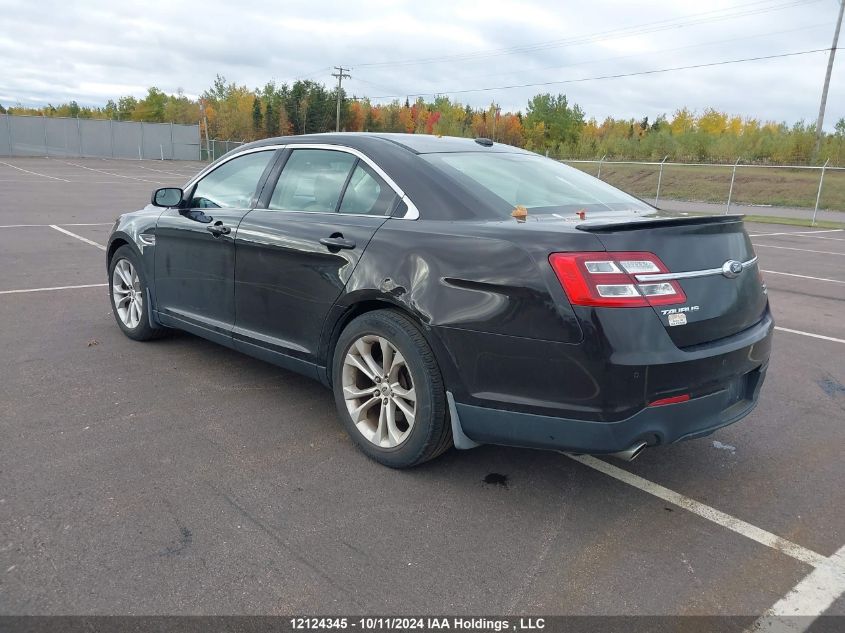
{"points": [[478, 625]]}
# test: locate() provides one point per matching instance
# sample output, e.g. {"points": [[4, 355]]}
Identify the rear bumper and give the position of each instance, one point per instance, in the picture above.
{"points": [[654, 425]]}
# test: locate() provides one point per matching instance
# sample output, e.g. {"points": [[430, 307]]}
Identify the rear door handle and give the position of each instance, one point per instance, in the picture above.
{"points": [[217, 229], [337, 241]]}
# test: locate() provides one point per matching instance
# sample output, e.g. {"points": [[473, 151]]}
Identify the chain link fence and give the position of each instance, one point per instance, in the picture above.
{"points": [[793, 191], [215, 148], [97, 138]]}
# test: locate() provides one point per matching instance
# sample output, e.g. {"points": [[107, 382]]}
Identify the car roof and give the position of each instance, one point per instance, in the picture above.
{"points": [[415, 143]]}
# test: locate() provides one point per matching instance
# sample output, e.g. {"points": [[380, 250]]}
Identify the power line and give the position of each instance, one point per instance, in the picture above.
{"points": [[645, 28], [590, 62], [649, 27], [743, 38], [616, 76]]}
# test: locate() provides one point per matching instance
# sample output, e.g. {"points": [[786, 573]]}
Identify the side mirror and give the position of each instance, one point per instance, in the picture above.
{"points": [[167, 197]]}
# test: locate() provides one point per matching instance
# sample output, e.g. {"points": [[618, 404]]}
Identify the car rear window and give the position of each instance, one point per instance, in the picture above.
{"points": [[539, 184]]}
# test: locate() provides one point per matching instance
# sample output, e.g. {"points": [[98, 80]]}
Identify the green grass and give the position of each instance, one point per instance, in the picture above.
{"points": [[769, 219], [772, 219], [708, 183]]}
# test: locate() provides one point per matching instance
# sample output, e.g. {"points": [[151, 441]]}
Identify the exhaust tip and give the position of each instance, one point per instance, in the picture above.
{"points": [[630, 454]]}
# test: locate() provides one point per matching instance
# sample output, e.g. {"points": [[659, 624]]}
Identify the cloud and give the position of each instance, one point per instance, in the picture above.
{"points": [[56, 51]]}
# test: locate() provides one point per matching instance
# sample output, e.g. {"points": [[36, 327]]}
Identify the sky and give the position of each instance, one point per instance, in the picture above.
{"points": [[91, 51]]}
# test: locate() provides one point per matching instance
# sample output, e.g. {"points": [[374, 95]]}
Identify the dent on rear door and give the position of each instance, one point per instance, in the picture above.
{"points": [[461, 281]]}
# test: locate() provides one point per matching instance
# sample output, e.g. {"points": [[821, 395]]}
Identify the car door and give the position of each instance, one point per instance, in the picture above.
{"points": [[195, 247], [297, 249]]}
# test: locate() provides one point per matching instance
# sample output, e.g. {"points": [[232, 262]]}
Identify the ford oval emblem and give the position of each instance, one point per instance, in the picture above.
{"points": [[732, 268]]}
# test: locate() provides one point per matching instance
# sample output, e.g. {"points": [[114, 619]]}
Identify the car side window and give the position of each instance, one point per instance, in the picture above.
{"points": [[367, 194], [312, 180], [233, 184]]}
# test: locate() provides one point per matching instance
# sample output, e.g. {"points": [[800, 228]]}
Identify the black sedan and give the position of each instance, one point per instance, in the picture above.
{"points": [[455, 292]]}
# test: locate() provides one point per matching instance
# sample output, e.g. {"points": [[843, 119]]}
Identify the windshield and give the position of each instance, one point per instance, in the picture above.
{"points": [[541, 185]]}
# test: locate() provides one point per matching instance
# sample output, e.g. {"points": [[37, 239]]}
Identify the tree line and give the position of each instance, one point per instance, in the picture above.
{"points": [[550, 124]]}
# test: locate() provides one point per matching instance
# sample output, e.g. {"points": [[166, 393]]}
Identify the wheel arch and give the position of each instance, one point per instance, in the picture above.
{"points": [[115, 243], [343, 315], [119, 240]]}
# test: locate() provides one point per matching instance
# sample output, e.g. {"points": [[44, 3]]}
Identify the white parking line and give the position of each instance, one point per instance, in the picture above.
{"points": [[34, 173], [23, 226], [810, 334], [825, 237], [797, 610], [108, 173], [805, 233], [15, 292], [162, 171], [739, 526], [775, 272], [792, 248], [79, 237], [809, 599]]}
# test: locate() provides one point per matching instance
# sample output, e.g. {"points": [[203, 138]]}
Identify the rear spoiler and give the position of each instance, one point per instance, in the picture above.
{"points": [[627, 224]]}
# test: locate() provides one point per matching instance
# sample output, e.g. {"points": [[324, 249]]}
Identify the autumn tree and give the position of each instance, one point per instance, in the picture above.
{"points": [[561, 123], [355, 116], [126, 107], [550, 124], [257, 117], [271, 121], [151, 108]]}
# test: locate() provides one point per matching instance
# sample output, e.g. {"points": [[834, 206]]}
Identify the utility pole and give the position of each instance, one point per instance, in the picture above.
{"points": [[820, 122], [208, 152], [341, 75]]}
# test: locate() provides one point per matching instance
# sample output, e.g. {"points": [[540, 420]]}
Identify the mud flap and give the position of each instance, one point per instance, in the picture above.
{"points": [[459, 438]]}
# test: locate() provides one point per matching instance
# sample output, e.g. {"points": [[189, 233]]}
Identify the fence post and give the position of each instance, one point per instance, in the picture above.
{"points": [[140, 153], [172, 148], [46, 150], [111, 135], [11, 142], [659, 179], [601, 160], [79, 136], [819, 194], [731, 190]]}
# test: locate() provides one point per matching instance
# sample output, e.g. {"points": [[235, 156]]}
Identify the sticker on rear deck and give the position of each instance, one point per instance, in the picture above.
{"points": [[677, 319]]}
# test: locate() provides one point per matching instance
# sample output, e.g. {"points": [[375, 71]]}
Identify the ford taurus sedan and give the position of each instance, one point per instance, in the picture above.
{"points": [[455, 292]]}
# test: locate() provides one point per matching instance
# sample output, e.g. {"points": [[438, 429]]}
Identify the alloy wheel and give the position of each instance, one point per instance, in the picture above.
{"points": [[379, 391], [126, 293]]}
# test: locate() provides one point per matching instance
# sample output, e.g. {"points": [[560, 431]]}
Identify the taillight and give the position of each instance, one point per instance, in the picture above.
{"points": [[607, 279]]}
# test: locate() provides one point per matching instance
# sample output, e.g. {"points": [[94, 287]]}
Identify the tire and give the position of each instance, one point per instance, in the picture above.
{"points": [[129, 301], [383, 429]]}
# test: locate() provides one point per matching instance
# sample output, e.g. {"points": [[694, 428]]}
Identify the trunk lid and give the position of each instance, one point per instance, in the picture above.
{"points": [[718, 305]]}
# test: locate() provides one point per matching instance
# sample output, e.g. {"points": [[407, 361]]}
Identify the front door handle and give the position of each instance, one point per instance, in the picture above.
{"points": [[217, 229], [337, 241]]}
